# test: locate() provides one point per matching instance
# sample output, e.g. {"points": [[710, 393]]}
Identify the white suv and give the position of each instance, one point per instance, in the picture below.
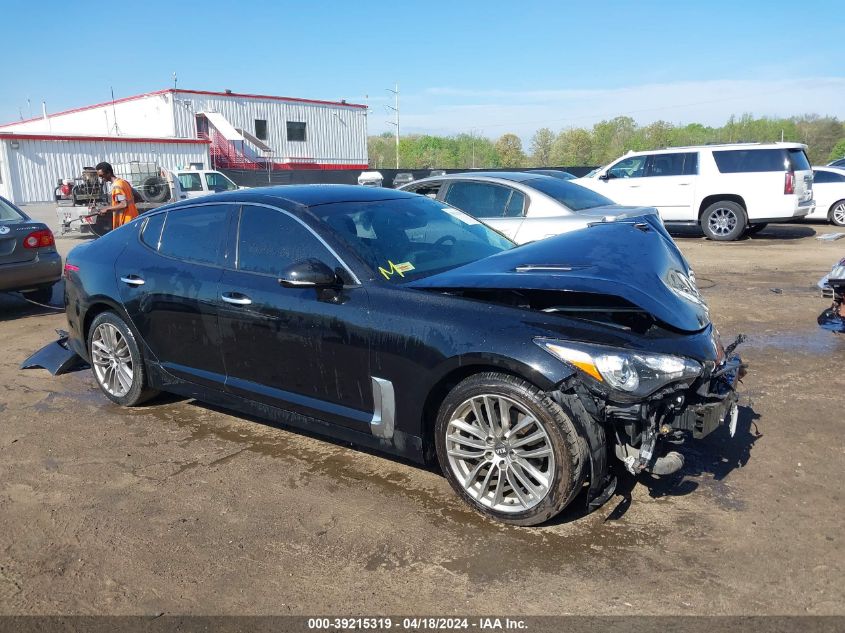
{"points": [[729, 190]]}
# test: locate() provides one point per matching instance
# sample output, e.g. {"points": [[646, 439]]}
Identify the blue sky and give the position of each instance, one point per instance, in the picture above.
{"points": [[490, 67]]}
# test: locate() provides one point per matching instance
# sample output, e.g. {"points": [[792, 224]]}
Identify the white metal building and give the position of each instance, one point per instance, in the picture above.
{"points": [[178, 127]]}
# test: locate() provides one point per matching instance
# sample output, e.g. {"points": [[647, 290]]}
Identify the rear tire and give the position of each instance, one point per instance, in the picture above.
{"points": [[724, 221], [117, 362], [523, 467], [836, 215]]}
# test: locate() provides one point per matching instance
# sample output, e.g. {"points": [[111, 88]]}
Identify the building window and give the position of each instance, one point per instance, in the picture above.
{"points": [[296, 131], [261, 129]]}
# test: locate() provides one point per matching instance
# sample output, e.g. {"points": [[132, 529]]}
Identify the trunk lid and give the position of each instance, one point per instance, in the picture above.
{"points": [[634, 259], [12, 234]]}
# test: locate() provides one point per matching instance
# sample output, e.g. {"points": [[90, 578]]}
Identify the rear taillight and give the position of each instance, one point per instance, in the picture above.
{"points": [[789, 183], [39, 239], [70, 268]]}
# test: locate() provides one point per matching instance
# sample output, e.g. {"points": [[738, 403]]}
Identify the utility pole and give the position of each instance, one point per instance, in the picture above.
{"points": [[396, 122]]}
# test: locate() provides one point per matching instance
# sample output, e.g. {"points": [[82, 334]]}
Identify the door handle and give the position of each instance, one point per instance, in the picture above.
{"points": [[236, 298], [684, 184], [132, 280], [633, 186]]}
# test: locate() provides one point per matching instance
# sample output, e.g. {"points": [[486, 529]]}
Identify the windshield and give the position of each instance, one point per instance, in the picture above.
{"points": [[569, 194], [8, 212], [406, 239]]}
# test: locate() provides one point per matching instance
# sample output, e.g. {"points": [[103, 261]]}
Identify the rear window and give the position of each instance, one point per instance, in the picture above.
{"points": [[798, 159], [760, 160], [8, 212], [569, 194]]}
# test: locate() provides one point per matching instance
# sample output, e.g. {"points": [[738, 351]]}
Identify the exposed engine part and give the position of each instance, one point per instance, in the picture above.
{"points": [[632, 458]]}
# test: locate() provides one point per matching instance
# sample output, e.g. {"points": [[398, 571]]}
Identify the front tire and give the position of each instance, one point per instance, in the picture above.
{"points": [[836, 215], [116, 361], [508, 449], [724, 221]]}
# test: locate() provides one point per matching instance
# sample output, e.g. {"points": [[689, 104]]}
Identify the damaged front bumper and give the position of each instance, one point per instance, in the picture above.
{"points": [[642, 434], [56, 357]]}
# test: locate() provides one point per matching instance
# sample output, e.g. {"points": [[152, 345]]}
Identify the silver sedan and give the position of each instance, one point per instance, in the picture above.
{"points": [[525, 206]]}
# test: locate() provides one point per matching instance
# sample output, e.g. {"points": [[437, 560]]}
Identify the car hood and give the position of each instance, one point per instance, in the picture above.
{"points": [[634, 259]]}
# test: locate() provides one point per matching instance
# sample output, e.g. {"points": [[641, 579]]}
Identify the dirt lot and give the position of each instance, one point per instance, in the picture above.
{"points": [[179, 508]]}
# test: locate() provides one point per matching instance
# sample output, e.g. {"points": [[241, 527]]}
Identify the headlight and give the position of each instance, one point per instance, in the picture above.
{"points": [[633, 373]]}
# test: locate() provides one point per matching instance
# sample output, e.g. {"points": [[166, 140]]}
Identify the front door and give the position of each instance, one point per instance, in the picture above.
{"points": [[301, 349]]}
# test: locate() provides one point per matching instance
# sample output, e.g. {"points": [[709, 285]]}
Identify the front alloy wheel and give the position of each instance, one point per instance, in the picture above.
{"points": [[508, 449]]}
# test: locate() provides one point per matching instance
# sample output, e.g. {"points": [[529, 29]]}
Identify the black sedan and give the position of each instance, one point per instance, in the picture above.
{"points": [[399, 323], [29, 262]]}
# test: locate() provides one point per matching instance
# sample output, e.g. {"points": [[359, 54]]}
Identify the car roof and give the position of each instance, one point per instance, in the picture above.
{"points": [[513, 176], [718, 146], [302, 195]]}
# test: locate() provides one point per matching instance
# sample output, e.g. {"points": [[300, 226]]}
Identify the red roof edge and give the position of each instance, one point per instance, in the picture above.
{"points": [[193, 92], [111, 139]]}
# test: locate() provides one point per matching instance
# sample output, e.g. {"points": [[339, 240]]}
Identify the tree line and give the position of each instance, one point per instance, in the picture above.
{"points": [[604, 142]]}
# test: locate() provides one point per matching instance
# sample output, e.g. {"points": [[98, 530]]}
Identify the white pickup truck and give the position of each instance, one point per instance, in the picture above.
{"points": [[155, 186]]}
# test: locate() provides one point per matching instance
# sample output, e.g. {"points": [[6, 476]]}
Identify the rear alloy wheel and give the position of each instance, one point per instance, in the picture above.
{"points": [[116, 361], [837, 213], [724, 221], [509, 450]]}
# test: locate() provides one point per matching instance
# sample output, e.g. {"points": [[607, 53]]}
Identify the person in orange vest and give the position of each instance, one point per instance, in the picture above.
{"points": [[122, 206]]}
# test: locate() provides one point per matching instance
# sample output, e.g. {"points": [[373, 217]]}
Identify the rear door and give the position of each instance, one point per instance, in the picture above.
{"points": [[669, 185], [499, 206], [169, 282]]}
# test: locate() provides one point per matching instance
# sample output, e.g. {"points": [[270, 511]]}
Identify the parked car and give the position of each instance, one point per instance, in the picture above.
{"points": [[402, 178], [829, 194], [727, 190], [524, 206], [554, 173], [398, 323], [29, 262], [195, 183], [837, 163]]}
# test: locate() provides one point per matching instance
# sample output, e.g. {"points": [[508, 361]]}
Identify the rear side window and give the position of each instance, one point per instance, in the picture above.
{"points": [[479, 199], [270, 240], [152, 230], [752, 160], [196, 234], [8, 212], [682, 164], [515, 205]]}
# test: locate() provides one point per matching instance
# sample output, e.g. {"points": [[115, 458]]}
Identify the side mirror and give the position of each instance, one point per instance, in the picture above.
{"points": [[604, 176], [308, 273]]}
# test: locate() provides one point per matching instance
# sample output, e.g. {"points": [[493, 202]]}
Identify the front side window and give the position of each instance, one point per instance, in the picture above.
{"points": [[408, 238], [218, 182], [633, 167], [195, 234], [269, 240], [296, 131], [479, 199], [190, 182]]}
